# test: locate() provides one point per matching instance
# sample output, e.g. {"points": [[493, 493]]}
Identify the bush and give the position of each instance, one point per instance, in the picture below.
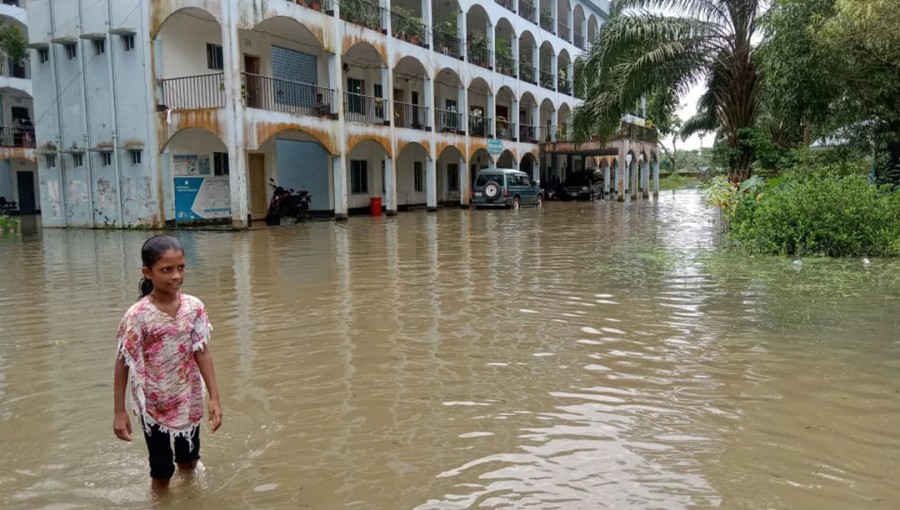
{"points": [[675, 181], [9, 225], [819, 213]]}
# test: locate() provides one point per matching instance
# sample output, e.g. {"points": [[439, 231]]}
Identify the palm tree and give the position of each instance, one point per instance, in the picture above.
{"points": [[643, 48]]}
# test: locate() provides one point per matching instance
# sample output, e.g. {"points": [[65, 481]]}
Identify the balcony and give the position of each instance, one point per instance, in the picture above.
{"points": [[480, 126], [506, 130], [364, 109], [287, 96], [563, 31], [325, 6], [15, 69], [527, 73], [509, 4], [547, 80], [627, 130], [412, 116], [526, 10], [559, 134], [506, 65], [448, 44], [564, 86], [579, 40], [449, 121], [194, 92], [529, 133], [547, 22], [364, 14], [17, 136], [405, 25], [479, 55]]}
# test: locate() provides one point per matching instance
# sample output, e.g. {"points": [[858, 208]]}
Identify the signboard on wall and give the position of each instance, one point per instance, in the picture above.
{"points": [[185, 164], [495, 146], [201, 198]]}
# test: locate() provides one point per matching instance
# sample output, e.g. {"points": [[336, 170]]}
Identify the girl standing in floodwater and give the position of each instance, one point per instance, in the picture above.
{"points": [[162, 343]]}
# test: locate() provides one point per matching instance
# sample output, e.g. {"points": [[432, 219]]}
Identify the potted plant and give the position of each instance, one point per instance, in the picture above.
{"points": [[503, 50]]}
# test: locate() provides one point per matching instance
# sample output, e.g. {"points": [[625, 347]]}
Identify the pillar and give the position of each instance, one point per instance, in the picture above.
{"points": [[633, 171], [490, 36], [554, 126], [464, 193], [387, 88], [554, 13], [656, 178], [645, 179], [623, 176], [428, 90], [491, 113], [536, 63], [463, 105], [427, 17], [339, 179], [514, 119], [390, 187], [430, 183], [462, 30], [515, 51], [536, 172], [606, 182], [234, 106]]}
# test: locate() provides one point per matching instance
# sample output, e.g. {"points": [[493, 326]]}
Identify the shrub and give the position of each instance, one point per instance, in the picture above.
{"points": [[818, 213], [9, 225]]}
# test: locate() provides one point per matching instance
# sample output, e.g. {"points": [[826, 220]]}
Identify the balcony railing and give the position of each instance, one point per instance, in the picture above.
{"points": [[509, 4], [17, 136], [547, 22], [479, 55], [564, 86], [364, 14], [448, 44], [506, 65], [325, 6], [412, 116], [287, 96], [194, 92], [636, 132], [409, 29], [480, 126], [579, 40], [449, 122], [15, 68], [560, 133], [506, 130], [562, 30], [14, 3], [527, 73], [529, 133], [526, 10], [364, 109], [547, 80]]}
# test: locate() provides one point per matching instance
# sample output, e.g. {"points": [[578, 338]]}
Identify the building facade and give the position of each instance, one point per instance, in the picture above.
{"points": [[183, 110], [18, 168]]}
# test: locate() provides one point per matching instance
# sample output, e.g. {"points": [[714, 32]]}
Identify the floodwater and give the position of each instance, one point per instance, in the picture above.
{"points": [[593, 355]]}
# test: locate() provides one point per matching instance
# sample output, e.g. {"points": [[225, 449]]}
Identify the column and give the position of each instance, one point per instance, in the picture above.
{"points": [[536, 63], [515, 51], [633, 170], [645, 179], [234, 131], [429, 103], [623, 175], [554, 14], [536, 171], [554, 126], [463, 106], [427, 18], [464, 193], [390, 187], [606, 182], [492, 114], [430, 183], [656, 178], [490, 36], [554, 71], [514, 120], [387, 89], [462, 30], [339, 180], [536, 124]]}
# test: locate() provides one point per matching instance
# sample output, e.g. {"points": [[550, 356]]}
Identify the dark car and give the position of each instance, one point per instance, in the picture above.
{"points": [[584, 185]]}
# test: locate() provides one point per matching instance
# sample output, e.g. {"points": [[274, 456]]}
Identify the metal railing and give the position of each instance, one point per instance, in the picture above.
{"points": [[560, 133], [579, 40], [287, 96], [562, 30], [15, 68], [194, 92], [17, 136], [412, 116], [509, 4], [529, 133], [636, 132], [527, 73], [448, 122], [479, 55], [364, 14], [364, 109], [325, 6], [448, 44], [547, 22], [547, 80], [526, 10], [506, 130], [480, 126], [506, 65], [564, 86], [409, 30]]}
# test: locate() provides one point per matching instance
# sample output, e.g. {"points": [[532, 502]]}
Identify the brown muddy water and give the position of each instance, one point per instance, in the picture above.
{"points": [[594, 355]]}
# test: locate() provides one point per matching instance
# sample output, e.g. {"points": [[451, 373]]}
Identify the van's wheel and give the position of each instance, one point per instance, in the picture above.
{"points": [[515, 204], [492, 190], [539, 202]]}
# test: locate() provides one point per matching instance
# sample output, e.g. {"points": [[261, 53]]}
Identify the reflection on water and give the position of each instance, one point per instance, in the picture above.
{"points": [[580, 356]]}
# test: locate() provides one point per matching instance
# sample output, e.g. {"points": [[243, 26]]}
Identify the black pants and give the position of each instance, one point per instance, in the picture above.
{"points": [[159, 444]]}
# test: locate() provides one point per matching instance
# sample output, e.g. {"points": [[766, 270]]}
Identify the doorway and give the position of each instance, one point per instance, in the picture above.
{"points": [[26, 192], [257, 178], [254, 81]]}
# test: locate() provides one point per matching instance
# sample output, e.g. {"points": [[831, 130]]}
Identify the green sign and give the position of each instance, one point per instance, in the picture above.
{"points": [[495, 146]]}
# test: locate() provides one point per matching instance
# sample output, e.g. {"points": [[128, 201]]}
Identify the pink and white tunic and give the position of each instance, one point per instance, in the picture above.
{"points": [[166, 385]]}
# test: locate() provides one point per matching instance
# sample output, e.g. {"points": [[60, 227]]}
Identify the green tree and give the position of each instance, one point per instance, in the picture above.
{"points": [[643, 48], [662, 112], [12, 41]]}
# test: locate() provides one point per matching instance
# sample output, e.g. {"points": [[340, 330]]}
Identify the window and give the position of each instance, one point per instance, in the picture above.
{"points": [[214, 58], [78, 159], [43, 55], [359, 177], [99, 46], [106, 158], [128, 40], [72, 51], [419, 176], [135, 157], [453, 177], [220, 163], [50, 160]]}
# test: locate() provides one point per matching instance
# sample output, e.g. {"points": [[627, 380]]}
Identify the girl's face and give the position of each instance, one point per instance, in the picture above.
{"points": [[167, 274]]}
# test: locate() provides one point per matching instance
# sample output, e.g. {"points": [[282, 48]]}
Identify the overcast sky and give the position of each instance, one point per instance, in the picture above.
{"points": [[687, 110]]}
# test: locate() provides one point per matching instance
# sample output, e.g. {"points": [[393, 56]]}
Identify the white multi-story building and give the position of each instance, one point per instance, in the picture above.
{"points": [[18, 171], [182, 110]]}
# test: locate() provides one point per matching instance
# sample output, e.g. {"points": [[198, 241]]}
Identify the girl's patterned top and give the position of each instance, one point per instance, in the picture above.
{"points": [[166, 385]]}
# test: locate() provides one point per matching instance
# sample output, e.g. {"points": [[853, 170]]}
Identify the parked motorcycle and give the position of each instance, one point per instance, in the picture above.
{"points": [[287, 203]]}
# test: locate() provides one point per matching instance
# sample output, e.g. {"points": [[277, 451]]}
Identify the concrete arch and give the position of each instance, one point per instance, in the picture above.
{"points": [[564, 54], [477, 155], [360, 46], [528, 98], [507, 89], [267, 131], [448, 73], [449, 147], [477, 80], [285, 27], [592, 27], [189, 131], [409, 63], [403, 145], [162, 12], [353, 141], [578, 18], [507, 159]]}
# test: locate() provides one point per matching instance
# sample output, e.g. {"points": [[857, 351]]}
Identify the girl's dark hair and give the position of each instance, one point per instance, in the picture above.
{"points": [[151, 251]]}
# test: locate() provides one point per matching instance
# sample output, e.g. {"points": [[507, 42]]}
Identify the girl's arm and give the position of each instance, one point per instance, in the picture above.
{"points": [[121, 422], [205, 363]]}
